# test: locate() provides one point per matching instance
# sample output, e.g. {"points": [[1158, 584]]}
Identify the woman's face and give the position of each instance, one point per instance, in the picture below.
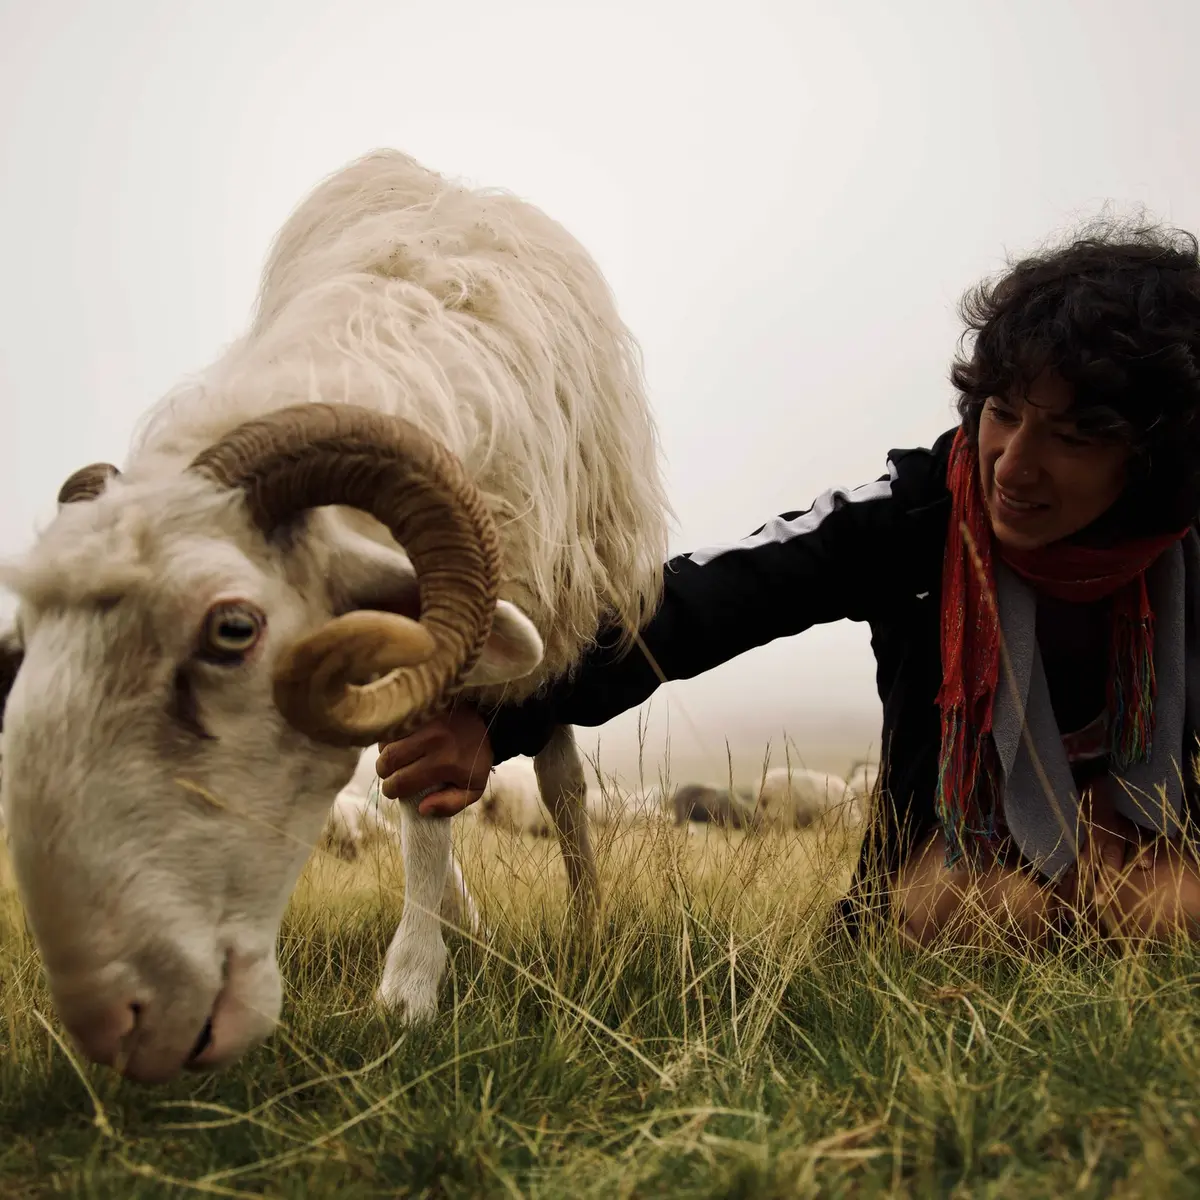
{"points": [[1043, 480]]}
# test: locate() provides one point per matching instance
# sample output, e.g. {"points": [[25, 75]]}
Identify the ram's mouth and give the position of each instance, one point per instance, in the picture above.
{"points": [[202, 1043]]}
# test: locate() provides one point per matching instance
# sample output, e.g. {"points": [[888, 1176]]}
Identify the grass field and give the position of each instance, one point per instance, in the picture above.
{"points": [[704, 1044]]}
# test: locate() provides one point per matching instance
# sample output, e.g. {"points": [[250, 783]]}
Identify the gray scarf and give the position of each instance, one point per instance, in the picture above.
{"points": [[1041, 804]]}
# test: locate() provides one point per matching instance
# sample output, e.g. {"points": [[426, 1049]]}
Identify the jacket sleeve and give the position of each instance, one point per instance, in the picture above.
{"points": [[799, 569]]}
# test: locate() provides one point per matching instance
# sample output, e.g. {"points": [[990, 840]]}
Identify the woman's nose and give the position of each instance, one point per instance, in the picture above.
{"points": [[1018, 461], [1015, 469]]}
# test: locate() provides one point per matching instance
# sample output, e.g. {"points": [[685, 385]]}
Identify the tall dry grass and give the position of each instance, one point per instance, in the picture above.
{"points": [[708, 1041]]}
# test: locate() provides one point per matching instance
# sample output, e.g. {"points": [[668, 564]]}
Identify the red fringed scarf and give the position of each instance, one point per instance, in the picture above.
{"points": [[968, 777]]}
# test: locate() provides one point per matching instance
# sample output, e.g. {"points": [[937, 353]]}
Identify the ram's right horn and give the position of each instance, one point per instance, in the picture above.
{"points": [[367, 674]]}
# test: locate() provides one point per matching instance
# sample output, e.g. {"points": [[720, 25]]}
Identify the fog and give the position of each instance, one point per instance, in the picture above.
{"points": [[787, 198]]}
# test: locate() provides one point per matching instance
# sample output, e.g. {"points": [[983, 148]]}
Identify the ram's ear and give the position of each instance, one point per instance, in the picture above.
{"points": [[513, 649], [366, 574]]}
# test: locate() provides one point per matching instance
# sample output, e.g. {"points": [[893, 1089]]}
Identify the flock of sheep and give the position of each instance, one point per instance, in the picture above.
{"points": [[788, 797], [785, 797]]}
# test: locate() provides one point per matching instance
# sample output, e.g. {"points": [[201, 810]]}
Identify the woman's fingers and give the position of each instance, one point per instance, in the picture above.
{"points": [[450, 757], [402, 753], [420, 776], [1111, 851], [447, 802]]}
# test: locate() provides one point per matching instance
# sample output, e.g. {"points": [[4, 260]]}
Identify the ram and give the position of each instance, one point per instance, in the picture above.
{"points": [[427, 469]]}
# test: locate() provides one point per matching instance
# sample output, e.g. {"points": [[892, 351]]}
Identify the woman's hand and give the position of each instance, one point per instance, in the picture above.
{"points": [[1107, 837], [452, 753]]}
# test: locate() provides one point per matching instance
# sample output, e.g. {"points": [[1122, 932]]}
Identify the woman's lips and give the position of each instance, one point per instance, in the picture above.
{"points": [[1013, 509]]}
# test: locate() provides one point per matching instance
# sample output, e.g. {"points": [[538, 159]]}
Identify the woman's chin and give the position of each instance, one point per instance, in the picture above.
{"points": [[1024, 533]]}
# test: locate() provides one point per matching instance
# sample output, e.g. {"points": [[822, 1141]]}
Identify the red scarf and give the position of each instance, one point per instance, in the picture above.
{"points": [[968, 777]]}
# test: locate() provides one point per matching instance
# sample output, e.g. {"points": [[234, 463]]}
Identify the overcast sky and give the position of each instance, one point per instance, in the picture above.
{"points": [[787, 197]]}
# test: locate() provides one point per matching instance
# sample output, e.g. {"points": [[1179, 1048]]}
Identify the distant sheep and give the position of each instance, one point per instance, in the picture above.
{"points": [[862, 778], [731, 807], [646, 803], [358, 811], [797, 797], [512, 799], [614, 803]]}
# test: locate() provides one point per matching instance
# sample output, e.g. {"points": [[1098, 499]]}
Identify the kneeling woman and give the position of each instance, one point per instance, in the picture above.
{"points": [[1032, 584]]}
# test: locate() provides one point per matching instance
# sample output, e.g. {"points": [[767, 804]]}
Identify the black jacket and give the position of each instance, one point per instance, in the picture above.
{"points": [[872, 553]]}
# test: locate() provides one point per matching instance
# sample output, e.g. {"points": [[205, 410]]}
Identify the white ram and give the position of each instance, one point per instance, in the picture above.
{"points": [[428, 468]]}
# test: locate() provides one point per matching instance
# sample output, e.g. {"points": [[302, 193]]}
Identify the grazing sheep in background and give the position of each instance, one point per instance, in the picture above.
{"points": [[428, 468], [512, 799], [733, 808], [645, 803], [611, 801], [607, 805], [797, 797], [862, 778], [356, 814]]}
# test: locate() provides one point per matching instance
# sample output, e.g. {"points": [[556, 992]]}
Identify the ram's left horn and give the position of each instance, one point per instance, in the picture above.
{"points": [[87, 483]]}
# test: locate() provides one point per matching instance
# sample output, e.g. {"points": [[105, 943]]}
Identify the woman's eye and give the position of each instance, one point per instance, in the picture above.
{"points": [[1004, 415], [1074, 439], [230, 631]]}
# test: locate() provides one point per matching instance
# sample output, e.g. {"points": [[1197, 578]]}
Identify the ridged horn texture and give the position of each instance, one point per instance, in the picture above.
{"points": [[367, 674], [87, 483]]}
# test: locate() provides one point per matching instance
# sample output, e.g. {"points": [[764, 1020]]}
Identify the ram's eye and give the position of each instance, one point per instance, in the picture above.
{"points": [[230, 631]]}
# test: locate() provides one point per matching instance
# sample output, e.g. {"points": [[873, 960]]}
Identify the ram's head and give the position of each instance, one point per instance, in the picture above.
{"points": [[196, 662]]}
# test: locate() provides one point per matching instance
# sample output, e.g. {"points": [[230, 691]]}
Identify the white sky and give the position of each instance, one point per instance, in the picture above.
{"points": [[787, 197]]}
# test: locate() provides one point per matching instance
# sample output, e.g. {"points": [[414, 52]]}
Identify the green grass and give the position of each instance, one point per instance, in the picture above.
{"points": [[705, 1044]]}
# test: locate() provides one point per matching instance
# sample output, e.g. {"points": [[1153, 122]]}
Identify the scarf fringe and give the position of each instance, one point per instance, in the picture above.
{"points": [[1133, 687]]}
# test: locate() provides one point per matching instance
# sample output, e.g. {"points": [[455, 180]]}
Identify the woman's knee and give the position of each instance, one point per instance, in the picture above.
{"points": [[1156, 896], [931, 898], [927, 893]]}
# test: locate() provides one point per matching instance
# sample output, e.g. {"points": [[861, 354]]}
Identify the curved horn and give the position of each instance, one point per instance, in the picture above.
{"points": [[87, 483], [364, 674]]}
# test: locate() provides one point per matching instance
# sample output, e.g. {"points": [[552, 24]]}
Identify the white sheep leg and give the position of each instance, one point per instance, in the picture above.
{"points": [[560, 777], [416, 959]]}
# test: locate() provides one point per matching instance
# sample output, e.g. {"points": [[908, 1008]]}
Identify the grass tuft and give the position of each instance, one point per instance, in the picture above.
{"points": [[706, 1042]]}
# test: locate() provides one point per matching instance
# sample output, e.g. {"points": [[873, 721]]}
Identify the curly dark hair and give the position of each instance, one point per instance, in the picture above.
{"points": [[1115, 311]]}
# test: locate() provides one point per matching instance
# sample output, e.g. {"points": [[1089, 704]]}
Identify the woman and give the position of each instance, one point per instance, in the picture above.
{"points": [[1032, 583]]}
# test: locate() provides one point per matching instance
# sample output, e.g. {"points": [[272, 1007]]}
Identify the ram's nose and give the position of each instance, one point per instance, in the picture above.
{"points": [[148, 1020], [103, 1030]]}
